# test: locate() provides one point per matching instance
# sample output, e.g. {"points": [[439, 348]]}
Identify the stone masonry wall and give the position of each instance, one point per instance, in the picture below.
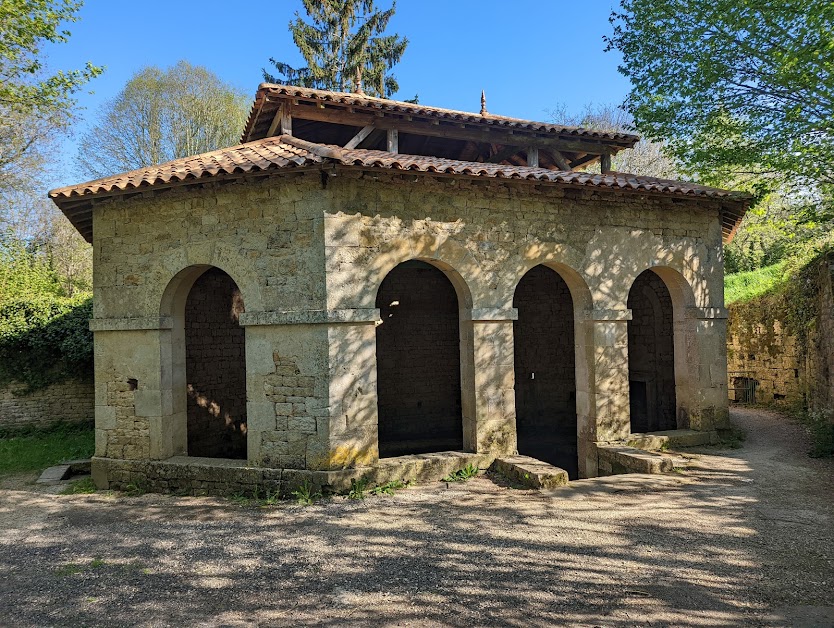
{"points": [[70, 401], [764, 349]]}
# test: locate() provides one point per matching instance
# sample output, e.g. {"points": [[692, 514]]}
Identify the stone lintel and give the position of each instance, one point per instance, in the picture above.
{"points": [[131, 324], [707, 313], [310, 317], [490, 314]]}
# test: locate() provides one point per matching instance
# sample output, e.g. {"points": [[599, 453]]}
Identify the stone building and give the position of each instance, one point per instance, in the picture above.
{"points": [[363, 283]]}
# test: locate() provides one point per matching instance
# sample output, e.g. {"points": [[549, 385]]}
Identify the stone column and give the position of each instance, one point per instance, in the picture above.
{"points": [[492, 382], [701, 368], [609, 401]]}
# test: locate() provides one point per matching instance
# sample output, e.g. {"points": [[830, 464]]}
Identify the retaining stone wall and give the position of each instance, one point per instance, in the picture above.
{"points": [[70, 401]]}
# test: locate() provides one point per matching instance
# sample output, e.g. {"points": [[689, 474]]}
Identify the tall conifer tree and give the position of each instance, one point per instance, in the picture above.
{"points": [[344, 48]]}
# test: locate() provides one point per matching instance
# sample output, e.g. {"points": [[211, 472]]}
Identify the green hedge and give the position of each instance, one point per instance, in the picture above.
{"points": [[45, 339]]}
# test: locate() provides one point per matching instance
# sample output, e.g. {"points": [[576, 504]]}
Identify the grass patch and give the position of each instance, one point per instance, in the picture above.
{"points": [[33, 450], [81, 487], [820, 426], [740, 287], [731, 438]]}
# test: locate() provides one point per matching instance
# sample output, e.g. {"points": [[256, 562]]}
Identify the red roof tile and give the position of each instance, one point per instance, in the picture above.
{"points": [[287, 152]]}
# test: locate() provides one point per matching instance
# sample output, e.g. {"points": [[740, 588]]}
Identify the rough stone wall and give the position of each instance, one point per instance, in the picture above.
{"points": [[545, 369], [215, 366], [418, 362], [765, 348], [651, 356], [70, 401]]}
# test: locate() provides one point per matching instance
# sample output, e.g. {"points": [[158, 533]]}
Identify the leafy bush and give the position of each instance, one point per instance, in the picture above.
{"points": [[44, 340]]}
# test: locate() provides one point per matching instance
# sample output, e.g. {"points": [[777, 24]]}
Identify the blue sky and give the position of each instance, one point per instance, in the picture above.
{"points": [[529, 56]]}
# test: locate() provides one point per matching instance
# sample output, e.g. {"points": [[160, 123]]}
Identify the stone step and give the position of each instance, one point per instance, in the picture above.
{"points": [[614, 459], [55, 474], [671, 439], [530, 472]]}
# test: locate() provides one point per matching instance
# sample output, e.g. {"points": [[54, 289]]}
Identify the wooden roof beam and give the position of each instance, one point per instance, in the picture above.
{"points": [[357, 139], [282, 119]]}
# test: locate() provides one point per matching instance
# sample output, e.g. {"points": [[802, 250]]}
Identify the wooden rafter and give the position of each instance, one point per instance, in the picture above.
{"points": [[357, 139], [560, 160], [503, 154], [283, 120]]}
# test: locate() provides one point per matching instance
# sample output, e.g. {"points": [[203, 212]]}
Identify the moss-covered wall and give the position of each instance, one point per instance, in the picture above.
{"points": [[784, 341]]}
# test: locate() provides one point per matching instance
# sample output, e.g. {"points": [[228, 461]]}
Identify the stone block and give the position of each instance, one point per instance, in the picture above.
{"points": [[530, 472]]}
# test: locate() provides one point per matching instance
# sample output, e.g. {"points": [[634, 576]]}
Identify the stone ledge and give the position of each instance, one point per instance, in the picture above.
{"points": [[530, 472], [614, 459], [672, 439], [217, 476], [310, 317], [131, 324]]}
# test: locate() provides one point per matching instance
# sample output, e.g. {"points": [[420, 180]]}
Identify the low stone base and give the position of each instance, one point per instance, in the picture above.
{"points": [[614, 459], [671, 439], [218, 476], [530, 472]]}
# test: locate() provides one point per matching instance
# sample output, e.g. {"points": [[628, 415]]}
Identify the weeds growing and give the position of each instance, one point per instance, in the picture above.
{"points": [[462, 475]]}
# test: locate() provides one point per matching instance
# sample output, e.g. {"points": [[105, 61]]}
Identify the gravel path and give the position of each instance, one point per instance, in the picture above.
{"points": [[744, 537]]}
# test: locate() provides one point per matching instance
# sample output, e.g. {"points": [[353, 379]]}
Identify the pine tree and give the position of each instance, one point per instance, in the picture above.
{"points": [[344, 48]]}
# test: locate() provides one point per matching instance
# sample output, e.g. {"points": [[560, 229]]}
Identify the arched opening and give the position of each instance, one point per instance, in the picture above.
{"points": [[418, 362], [545, 370], [215, 367], [651, 355]]}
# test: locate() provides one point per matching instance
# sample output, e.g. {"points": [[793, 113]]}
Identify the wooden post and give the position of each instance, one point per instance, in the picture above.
{"points": [[605, 163], [533, 156], [393, 141]]}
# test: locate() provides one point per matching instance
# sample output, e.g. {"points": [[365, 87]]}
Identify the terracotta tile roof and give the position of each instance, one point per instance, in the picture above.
{"points": [[287, 152], [267, 90]]}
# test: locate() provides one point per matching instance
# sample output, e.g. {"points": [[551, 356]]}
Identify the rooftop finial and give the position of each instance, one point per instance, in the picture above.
{"points": [[483, 103]]}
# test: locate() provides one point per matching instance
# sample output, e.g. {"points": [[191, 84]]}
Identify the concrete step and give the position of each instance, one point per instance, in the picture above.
{"points": [[671, 439], [615, 459], [530, 472], [55, 474]]}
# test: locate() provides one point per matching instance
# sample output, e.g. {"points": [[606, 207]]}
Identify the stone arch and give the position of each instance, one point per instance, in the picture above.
{"points": [[659, 299], [450, 257], [216, 405], [421, 343], [545, 369], [565, 260]]}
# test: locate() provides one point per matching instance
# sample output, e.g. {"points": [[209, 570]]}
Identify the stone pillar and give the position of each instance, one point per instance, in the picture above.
{"points": [[493, 381], [701, 368], [353, 437], [610, 397]]}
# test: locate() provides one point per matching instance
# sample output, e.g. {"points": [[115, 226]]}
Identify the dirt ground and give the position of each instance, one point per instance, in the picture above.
{"points": [[743, 538]]}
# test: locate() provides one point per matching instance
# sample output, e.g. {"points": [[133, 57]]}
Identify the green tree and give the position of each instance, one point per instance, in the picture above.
{"points": [[742, 91], [344, 48], [35, 104], [162, 115]]}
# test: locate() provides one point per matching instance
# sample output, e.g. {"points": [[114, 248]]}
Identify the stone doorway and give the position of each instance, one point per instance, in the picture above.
{"points": [[545, 370], [215, 365], [651, 355], [418, 362]]}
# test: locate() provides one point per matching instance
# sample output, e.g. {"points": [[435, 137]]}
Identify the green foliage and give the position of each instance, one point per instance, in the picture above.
{"points": [[344, 48], [44, 336], [389, 488], [305, 495], [738, 89], [161, 115], [34, 450], [26, 26], [358, 488], [740, 287], [821, 427], [461, 475], [80, 487]]}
